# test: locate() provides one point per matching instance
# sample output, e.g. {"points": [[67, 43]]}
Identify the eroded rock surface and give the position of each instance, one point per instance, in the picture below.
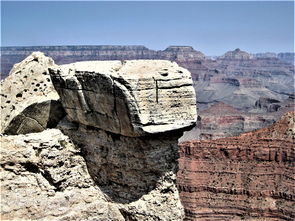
{"points": [[249, 177], [131, 98], [29, 102], [44, 177], [124, 119], [131, 113]]}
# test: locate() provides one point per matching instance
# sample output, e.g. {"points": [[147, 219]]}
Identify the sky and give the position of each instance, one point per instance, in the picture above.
{"points": [[212, 27]]}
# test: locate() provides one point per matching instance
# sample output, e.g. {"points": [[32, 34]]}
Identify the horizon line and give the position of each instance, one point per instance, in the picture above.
{"points": [[117, 45]]}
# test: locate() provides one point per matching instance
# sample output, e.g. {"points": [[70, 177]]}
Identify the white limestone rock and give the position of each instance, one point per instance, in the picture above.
{"points": [[132, 98]]}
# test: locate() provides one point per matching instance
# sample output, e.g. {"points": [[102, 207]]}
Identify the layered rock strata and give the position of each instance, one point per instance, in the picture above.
{"points": [[250, 177], [29, 102]]}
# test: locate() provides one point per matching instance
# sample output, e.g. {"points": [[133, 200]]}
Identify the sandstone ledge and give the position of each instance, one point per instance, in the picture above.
{"points": [[131, 98]]}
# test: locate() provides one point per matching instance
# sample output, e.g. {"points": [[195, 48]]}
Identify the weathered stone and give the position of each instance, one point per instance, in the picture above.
{"points": [[131, 113], [29, 102], [131, 98], [138, 173], [44, 177], [125, 118]]}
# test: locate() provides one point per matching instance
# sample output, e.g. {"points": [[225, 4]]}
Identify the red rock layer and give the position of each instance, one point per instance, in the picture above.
{"points": [[249, 177]]}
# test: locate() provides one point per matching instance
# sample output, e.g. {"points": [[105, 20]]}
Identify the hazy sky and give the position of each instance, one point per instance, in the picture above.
{"points": [[211, 27]]}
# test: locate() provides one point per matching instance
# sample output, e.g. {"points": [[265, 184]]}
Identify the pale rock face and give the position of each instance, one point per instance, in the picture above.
{"points": [[29, 102], [138, 173], [44, 177], [131, 98]]}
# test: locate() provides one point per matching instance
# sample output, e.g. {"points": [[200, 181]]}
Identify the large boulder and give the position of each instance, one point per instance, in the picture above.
{"points": [[131, 98], [29, 102]]}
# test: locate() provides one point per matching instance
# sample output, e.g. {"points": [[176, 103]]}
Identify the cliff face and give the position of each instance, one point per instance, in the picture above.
{"points": [[69, 54], [246, 177]]}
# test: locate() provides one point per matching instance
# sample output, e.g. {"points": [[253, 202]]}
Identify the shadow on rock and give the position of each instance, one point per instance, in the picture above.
{"points": [[126, 168]]}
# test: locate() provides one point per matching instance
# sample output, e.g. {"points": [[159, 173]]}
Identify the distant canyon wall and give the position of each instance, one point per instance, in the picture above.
{"points": [[70, 54], [249, 177]]}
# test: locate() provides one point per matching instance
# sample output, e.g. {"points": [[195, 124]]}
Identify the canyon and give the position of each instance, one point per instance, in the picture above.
{"points": [[237, 79], [98, 140]]}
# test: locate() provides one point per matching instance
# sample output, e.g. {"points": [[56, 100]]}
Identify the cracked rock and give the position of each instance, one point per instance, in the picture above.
{"points": [[132, 98]]}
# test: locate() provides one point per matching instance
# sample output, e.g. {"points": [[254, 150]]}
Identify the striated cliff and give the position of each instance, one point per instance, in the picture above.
{"points": [[249, 177]]}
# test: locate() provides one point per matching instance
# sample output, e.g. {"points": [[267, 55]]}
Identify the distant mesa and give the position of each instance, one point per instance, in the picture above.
{"points": [[181, 53], [237, 54], [180, 48]]}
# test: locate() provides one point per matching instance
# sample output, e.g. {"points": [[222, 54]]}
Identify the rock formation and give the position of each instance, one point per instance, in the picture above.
{"points": [[132, 120], [29, 102], [249, 177], [132, 98], [118, 159], [270, 105]]}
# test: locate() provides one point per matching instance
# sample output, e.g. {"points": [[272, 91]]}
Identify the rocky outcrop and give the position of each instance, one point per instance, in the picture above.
{"points": [[132, 98], [136, 173], [181, 53], [44, 176], [123, 122], [29, 102], [131, 113], [247, 177]]}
